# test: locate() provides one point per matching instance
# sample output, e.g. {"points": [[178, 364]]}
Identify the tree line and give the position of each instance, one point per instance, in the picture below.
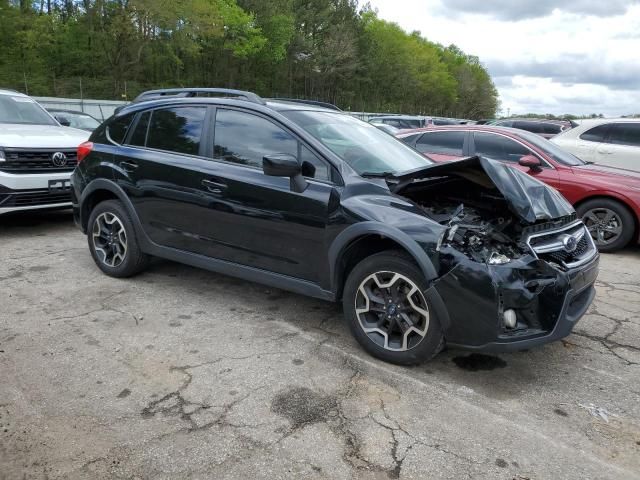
{"points": [[330, 50]]}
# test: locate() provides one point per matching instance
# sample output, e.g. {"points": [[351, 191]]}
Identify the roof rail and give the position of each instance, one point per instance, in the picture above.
{"points": [[330, 106], [194, 92]]}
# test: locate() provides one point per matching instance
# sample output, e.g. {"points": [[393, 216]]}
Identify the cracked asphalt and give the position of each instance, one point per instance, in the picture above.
{"points": [[181, 373]]}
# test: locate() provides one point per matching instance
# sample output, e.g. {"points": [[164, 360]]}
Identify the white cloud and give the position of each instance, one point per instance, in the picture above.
{"points": [[575, 59]]}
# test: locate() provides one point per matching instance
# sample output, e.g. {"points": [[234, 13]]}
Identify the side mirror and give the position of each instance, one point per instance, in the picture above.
{"points": [[64, 121], [285, 165], [532, 162]]}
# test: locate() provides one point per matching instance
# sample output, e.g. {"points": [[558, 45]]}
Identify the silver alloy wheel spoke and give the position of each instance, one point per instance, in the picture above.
{"points": [[403, 322], [109, 239]]}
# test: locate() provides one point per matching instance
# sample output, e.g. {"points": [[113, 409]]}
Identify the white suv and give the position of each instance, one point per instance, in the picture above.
{"points": [[37, 155], [613, 142]]}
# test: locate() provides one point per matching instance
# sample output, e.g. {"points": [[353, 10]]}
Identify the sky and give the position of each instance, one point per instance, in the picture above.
{"points": [[545, 56]]}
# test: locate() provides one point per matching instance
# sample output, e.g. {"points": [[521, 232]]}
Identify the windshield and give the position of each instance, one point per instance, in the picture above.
{"points": [[365, 148], [78, 120], [23, 110], [551, 149]]}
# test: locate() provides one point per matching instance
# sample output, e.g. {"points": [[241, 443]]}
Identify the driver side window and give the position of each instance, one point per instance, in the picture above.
{"points": [[499, 148], [245, 139]]}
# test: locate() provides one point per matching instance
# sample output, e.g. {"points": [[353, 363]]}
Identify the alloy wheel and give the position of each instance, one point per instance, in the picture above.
{"points": [[392, 311], [604, 225], [109, 239]]}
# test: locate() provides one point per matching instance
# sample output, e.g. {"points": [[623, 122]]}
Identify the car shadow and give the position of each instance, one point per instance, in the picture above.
{"points": [[17, 221], [498, 376]]}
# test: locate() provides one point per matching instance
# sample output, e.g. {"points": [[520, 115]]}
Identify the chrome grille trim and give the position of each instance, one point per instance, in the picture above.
{"points": [[554, 247]]}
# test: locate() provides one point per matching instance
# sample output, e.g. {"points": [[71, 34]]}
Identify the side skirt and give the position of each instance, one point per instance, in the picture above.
{"points": [[244, 272]]}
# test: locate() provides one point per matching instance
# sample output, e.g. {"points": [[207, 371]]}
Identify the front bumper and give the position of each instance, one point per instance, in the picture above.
{"points": [[34, 191], [548, 303]]}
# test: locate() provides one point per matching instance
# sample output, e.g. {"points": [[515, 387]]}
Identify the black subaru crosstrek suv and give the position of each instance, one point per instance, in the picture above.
{"points": [[474, 253]]}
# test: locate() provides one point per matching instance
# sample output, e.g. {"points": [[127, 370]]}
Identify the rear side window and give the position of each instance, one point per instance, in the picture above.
{"points": [[625, 134], [500, 148], [444, 143], [139, 135], [176, 129], [597, 134], [117, 129], [245, 138]]}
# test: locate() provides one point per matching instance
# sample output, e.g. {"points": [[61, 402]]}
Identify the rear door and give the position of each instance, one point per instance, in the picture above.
{"points": [[508, 150], [622, 146], [161, 168], [443, 146], [590, 145]]}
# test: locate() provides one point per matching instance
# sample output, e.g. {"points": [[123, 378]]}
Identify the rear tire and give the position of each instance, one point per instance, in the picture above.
{"points": [[387, 311], [610, 223], [112, 241]]}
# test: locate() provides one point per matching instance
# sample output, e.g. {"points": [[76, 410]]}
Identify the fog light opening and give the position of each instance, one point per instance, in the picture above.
{"points": [[510, 319]]}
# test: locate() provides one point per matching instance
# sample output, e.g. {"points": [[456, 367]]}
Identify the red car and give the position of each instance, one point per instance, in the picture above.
{"points": [[606, 198]]}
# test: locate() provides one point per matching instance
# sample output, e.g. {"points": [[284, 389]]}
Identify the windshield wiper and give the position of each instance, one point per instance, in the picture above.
{"points": [[377, 174]]}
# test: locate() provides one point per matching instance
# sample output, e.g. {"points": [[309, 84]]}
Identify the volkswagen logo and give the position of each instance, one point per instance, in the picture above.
{"points": [[59, 159], [569, 243]]}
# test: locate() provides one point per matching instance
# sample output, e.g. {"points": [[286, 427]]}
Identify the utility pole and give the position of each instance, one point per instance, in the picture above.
{"points": [[81, 97], [26, 87]]}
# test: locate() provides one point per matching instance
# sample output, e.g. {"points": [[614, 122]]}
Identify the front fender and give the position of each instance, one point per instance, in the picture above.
{"points": [[350, 234]]}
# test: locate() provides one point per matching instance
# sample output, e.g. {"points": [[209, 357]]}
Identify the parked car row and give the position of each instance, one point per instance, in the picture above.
{"points": [[544, 128]]}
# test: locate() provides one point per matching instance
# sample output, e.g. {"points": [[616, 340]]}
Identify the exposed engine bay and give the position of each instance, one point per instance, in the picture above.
{"points": [[480, 224]]}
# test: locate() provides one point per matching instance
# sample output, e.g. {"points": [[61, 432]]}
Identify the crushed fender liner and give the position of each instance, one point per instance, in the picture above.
{"points": [[528, 198]]}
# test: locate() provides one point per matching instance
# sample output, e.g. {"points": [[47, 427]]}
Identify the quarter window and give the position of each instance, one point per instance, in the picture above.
{"points": [[443, 143], [117, 129], [500, 148], [597, 134], [312, 166], [177, 129], [625, 134], [139, 135]]}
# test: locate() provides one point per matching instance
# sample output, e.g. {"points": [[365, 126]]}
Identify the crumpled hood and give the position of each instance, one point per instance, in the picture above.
{"points": [[15, 135], [528, 198]]}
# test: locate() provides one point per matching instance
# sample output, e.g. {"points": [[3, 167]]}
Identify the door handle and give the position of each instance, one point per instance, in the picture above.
{"points": [[214, 187], [129, 166]]}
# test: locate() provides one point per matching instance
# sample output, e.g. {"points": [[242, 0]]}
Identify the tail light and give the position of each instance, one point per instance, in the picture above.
{"points": [[84, 149]]}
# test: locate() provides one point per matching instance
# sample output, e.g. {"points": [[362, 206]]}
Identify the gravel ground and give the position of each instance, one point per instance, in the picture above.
{"points": [[182, 373]]}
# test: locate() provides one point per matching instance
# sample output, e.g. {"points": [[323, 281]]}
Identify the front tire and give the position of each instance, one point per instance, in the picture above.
{"points": [[609, 222], [112, 241], [388, 312]]}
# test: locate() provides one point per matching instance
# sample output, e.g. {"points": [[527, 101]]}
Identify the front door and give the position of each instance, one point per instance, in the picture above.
{"points": [[257, 220]]}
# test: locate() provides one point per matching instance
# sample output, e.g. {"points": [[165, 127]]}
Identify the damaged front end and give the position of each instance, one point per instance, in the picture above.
{"points": [[515, 266]]}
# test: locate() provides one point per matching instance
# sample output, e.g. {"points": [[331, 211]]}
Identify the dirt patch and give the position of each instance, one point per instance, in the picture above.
{"points": [[303, 406]]}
